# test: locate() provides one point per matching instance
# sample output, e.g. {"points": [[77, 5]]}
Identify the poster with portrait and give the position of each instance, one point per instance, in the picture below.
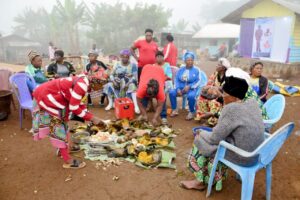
{"points": [[263, 38]]}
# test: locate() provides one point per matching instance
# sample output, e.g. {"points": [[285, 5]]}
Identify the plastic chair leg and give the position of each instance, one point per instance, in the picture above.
{"points": [[21, 116], [211, 177], [268, 181], [183, 102], [248, 178]]}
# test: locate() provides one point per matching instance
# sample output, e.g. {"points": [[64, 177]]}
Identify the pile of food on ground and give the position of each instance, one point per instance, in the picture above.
{"points": [[135, 141]]}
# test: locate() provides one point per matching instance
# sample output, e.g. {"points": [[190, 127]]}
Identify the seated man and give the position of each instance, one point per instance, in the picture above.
{"points": [[151, 85], [60, 68]]}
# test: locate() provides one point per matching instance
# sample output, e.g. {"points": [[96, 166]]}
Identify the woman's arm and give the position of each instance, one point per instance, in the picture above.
{"points": [[71, 68], [78, 92], [227, 123], [51, 70], [196, 82], [263, 87]]}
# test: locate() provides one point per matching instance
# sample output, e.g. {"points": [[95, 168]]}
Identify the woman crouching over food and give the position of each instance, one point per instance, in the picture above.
{"points": [[240, 124], [52, 104]]}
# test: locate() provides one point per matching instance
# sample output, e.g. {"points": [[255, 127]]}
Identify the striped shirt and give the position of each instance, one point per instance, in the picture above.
{"points": [[64, 93]]}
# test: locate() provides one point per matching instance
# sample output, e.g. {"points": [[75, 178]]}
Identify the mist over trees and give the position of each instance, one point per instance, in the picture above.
{"points": [[74, 27]]}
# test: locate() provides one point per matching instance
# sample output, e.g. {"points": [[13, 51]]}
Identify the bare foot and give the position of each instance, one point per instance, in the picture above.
{"points": [[193, 184]]}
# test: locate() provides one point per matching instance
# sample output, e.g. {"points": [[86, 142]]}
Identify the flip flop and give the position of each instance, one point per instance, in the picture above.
{"points": [[76, 164], [75, 149], [185, 187]]}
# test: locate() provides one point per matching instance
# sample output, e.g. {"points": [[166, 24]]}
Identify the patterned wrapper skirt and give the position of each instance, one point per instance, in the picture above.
{"points": [[44, 124], [201, 167], [204, 106], [124, 87]]}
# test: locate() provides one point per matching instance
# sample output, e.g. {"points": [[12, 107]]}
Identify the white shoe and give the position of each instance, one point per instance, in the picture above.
{"points": [[164, 121], [137, 110], [110, 103], [109, 107]]}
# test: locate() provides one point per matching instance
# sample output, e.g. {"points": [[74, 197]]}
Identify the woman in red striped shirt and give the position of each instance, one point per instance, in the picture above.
{"points": [[52, 104]]}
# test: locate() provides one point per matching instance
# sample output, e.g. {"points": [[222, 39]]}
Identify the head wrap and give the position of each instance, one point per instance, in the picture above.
{"points": [[238, 73], [188, 54], [125, 52], [236, 87], [224, 62], [32, 54], [94, 52]]}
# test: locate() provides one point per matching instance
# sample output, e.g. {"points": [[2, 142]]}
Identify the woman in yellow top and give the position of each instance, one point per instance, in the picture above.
{"points": [[258, 82]]}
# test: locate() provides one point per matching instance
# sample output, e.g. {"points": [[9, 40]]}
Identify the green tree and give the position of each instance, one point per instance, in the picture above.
{"points": [[196, 27], [72, 16], [29, 23], [114, 27], [180, 26]]}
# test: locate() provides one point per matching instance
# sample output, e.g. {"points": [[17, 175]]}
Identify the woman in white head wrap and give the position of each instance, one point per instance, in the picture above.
{"points": [[209, 104], [217, 78]]}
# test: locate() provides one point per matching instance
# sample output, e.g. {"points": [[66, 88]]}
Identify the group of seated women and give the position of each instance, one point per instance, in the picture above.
{"points": [[204, 103], [231, 102]]}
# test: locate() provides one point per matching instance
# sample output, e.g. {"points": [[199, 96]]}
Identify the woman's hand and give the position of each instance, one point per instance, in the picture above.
{"points": [[143, 117], [186, 89], [208, 115], [197, 137], [97, 121], [154, 122], [179, 93]]}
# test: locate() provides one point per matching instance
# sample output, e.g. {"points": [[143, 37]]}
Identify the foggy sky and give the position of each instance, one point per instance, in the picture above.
{"points": [[187, 9]]}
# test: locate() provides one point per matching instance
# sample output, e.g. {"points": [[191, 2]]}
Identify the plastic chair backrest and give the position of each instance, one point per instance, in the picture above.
{"points": [[270, 147], [203, 79], [275, 107], [19, 84], [174, 72]]}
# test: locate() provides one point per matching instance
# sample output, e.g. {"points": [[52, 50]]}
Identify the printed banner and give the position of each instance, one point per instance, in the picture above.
{"points": [[263, 38]]}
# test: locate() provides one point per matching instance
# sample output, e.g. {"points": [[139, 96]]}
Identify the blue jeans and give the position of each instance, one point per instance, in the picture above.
{"points": [[191, 97], [163, 113]]}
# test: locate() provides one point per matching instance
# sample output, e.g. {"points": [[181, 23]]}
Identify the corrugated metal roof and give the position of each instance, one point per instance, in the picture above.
{"points": [[220, 30], [290, 5], [23, 44], [235, 16]]}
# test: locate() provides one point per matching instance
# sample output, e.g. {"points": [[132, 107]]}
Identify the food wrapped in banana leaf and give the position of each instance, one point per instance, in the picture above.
{"points": [[149, 158]]}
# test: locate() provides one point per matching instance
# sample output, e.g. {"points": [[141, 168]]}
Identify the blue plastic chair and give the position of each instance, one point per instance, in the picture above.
{"points": [[20, 88], [265, 152], [202, 84], [275, 108]]}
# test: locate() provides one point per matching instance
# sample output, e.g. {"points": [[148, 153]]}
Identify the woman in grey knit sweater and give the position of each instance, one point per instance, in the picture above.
{"points": [[240, 124]]}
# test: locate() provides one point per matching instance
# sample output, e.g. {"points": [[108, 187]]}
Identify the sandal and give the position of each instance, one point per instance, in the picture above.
{"points": [[74, 149], [190, 116], [174, 113], [75, 164]]}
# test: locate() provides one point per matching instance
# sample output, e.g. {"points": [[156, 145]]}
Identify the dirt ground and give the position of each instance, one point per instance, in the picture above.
{"points": [[30, 170]]}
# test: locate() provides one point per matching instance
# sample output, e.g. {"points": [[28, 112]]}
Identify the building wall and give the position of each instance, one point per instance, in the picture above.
{"points": [[213, 49], [295, 43], [267, 8]]}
